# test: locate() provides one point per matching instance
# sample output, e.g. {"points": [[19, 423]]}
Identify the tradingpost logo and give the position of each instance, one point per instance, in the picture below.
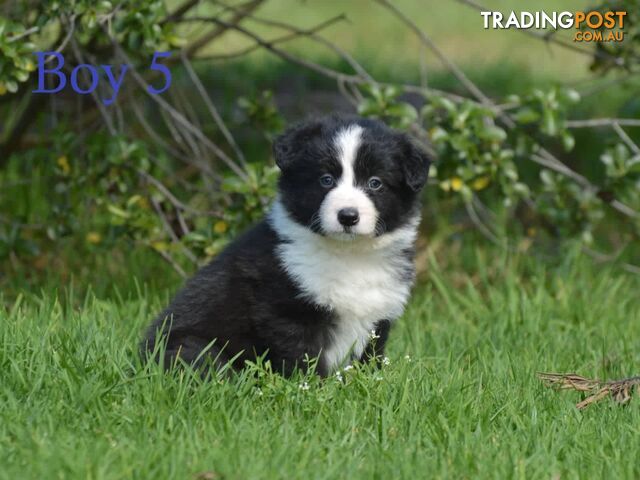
{"points": [[591, 26]]}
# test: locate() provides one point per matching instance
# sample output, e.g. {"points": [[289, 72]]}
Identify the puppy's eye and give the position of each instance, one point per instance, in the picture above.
{"points": [[375, 183], [327, 181]]}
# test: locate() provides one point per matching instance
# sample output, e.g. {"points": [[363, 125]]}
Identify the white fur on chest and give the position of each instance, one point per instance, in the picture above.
{"points": [[360, 281]]}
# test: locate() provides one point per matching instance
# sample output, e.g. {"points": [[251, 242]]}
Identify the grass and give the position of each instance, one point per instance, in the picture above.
{"points": [[466, 403]]}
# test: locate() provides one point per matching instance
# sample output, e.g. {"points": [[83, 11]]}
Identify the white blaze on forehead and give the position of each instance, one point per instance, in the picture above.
{"points": [[347, 143], [345, 194]]}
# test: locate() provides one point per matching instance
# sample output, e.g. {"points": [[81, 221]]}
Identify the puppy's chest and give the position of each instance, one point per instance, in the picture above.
{"points": [[352, 284], [360, 288]]}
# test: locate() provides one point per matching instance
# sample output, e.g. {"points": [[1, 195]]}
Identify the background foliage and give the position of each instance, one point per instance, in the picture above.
{"points": [[526, 160]]}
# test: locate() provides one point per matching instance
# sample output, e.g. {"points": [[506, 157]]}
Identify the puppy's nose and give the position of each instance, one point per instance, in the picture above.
{"points": [[348, 216]]}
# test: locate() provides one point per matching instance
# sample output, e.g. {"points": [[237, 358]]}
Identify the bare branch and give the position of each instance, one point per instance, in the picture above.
{"points": [[602, 122], [626, 139], [275, 41], [172, 234], [198, 44], [169, 259], [172, 198], [213, 111]]}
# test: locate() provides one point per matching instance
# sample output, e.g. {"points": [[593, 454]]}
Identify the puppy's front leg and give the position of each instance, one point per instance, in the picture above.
{"points": [[375, 348]]}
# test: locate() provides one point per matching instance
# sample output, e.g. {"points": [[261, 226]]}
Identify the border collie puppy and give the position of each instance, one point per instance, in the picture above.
{"points": [[329, 269]]}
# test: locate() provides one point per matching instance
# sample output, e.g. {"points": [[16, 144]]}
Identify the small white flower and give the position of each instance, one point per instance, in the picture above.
{"points": [[259, 392], [347, 368], [373, 335], [339, 376], [304, 386], [378, 378], [386, 361], [407, 358]]}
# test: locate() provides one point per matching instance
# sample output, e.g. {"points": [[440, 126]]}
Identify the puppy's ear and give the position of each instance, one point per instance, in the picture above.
{"points": [[415, 164], [289, 145]]}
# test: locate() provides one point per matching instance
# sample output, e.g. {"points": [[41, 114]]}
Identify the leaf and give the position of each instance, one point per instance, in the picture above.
{"points": [[368, 107], [438, 134], [494, 134], [527, 115], [12, 86], [480, 183], [549, 123], [456, 184], [118, 212], [568, 141]]}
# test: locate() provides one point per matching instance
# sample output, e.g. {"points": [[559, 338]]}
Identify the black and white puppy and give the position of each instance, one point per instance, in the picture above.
{"points": [[328, 270]]}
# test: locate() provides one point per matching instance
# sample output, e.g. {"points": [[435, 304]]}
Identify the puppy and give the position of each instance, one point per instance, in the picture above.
{"points": [[329, 269]]}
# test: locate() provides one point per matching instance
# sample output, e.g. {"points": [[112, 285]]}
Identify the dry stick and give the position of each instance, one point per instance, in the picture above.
{"points": [[179, 11], [70, 31], [626, 139], [213, 111], [94, 95], [172, 234], [603, 122], [184, 137], [619, 390], [609, 258], [152, 133], [485, 230], [275, 41], [191, 49], [171, 262], [178, 99], [172, 198], [547, 39]]}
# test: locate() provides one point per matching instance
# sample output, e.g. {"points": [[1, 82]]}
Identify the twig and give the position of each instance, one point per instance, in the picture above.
{"points": [[275, 41], [179, 11], [172, 198], [172, 234], [619, 390], [171, 262], [194, 47], [94, 95], [602, 122], [213, 111], [71, 27], [612, 257], [626, 139], [26, 33], [481, 226]]}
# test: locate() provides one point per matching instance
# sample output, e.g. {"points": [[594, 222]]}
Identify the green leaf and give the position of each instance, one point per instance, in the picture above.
{"points": [[494, 134], [568, 141], [549, 123], [527, 115]]}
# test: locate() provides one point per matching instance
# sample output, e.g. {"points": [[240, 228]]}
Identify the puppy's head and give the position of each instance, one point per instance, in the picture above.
{"points": [[345, 177]]}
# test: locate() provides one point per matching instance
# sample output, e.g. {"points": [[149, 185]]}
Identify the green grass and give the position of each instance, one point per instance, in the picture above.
{"points": [[75, 403]]}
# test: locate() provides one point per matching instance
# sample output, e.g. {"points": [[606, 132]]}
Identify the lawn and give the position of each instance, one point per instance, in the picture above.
{"points": [[459, 398]]}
